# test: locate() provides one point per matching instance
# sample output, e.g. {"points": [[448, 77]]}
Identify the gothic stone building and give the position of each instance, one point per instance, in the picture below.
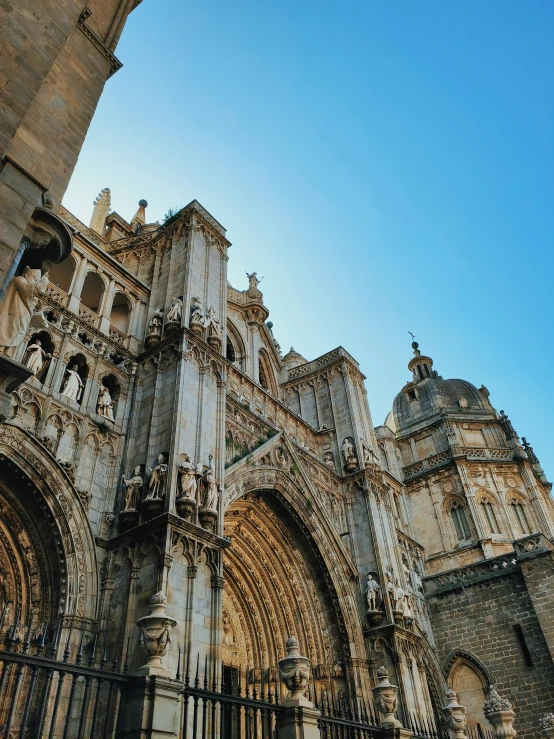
{"points": [[164, 463]]}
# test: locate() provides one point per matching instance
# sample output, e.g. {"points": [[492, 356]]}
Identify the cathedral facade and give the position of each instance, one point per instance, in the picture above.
{"points": [[178, 495]]}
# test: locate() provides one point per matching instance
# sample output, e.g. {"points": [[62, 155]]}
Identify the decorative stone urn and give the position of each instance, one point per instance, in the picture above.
{"points": [[208, 519], [546, 724], [386, 699], [128, 519], [295, 673], [185, 506], [155, 635], [498, 712], [454, 716]]}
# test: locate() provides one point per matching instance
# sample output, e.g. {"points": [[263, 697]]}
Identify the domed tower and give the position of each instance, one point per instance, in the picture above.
{"points": [[473, 487]]}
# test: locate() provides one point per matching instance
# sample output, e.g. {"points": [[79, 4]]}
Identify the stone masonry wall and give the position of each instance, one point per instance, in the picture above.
{"points": [[479, 620]]}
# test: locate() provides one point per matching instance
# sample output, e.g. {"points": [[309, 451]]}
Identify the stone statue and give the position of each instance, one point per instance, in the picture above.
{"points": [[175, 311], [213, 324], [133, 487], [372, 593], [104, 406], [187, 478], [19, 305], [155, 324], [212, 488], [369, 454], [348, 450], [399, 596], [198, 316], [157, 479], [417, 582], [228, 638], [73, 385], [36, 356], [328, 459], [253, 281]]}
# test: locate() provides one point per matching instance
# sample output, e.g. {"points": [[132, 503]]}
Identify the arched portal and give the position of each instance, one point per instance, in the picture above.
{"points": [[286, 572], [47, 556]]}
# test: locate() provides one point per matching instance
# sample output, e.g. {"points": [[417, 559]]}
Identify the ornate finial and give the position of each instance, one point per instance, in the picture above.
{"points": [[383, 673], [292, 646]]}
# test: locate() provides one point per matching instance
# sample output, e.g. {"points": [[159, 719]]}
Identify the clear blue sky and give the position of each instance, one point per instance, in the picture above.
{"points": [[387, 166]]}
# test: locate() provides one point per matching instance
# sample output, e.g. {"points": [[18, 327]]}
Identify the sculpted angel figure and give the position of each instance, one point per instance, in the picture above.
{"points": [[19, 305], [372, 592], [133, 486], [175, 310], [104, 406], [73, 385], [36, 356], [187, 478], [369, 454], [253, 280], [157, 479]]}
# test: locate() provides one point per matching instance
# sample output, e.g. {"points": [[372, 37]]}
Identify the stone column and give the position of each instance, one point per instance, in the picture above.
{"points": [[78, 280], [107, 303], [299, 720]]}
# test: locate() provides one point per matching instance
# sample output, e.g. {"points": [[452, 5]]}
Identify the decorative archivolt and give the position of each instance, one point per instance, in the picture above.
{"points": [[65, 513], [486, 496], [515, 497], [453, 501]]}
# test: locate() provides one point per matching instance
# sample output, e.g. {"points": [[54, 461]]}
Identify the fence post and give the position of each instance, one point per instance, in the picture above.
{"points": [[454, 716], [498, 712], [299, 720]]}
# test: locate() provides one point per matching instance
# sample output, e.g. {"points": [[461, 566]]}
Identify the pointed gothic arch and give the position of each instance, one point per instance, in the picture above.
{"points": [[56, 555]]}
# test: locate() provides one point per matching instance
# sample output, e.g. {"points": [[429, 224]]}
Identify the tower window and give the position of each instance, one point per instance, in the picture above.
{"points": [[420, 372], [412, 395], [230, 353], [488, 510], [460, 522], [520, 636], [520, 518]]}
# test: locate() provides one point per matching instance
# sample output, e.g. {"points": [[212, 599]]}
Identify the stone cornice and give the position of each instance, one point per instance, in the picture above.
{"points": [[115, 64], [336, 357]]}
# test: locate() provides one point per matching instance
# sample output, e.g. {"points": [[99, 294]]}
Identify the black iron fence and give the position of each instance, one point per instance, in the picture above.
{"points": [[222, 702], [42, 697], [342, 719]]}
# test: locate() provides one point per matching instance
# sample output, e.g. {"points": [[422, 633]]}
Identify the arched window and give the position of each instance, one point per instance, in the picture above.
{"points": [[490, 516], [459, 520], [121, 310], [265, 373], [61, 274], [262, 376], [519, 517], [93, 289], [230, 353]]}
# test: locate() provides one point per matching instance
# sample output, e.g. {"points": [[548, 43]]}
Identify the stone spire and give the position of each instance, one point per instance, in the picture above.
{"points": [[100, 212], [139, 219]]}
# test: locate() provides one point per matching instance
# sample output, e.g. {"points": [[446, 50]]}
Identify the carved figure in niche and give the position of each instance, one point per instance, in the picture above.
{"points": [[282, 457], [391, 590], [156, 483], [228, 637], [104, 406], [133, 487], [198, 316], [417, 582], [187, 478], [155, 324], [350, 460], [338, 669], [407, 608], [368, 454], [19, 305], [213, 325], [73, 385], [212, 489], [372, 593], [328, 459], [399, 595], [36, 356], [253, 281], [175, 311]]}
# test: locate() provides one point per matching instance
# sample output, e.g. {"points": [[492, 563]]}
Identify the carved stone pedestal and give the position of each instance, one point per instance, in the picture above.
{"points": [[374, 618], [185, 507], [152, 339], [299, 723], [150, 708], [171, 326], [397, 733], [207, 519], [12, 375], [152, 507], [128, 519]]}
